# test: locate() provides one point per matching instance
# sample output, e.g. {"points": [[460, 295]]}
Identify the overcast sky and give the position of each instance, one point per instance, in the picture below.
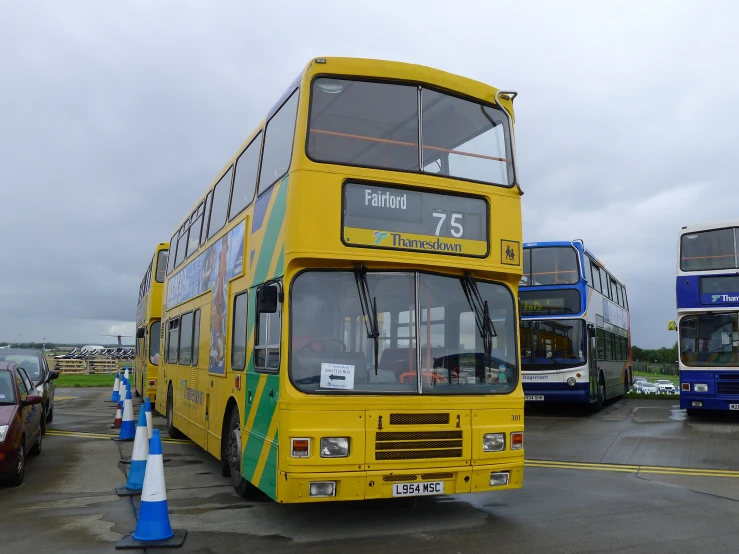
{"points": [[116, 115]]}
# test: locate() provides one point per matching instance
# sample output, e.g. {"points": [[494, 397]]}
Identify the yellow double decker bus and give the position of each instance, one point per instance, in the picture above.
{"points": [[340, 318], [148, 325]]}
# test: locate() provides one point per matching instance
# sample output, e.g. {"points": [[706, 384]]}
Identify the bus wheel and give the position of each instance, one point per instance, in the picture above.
{"points": [[232, 455], [172, 431]]}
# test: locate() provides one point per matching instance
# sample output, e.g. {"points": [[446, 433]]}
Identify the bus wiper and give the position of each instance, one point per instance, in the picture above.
{"points": [[369, 308], [482, 314]]}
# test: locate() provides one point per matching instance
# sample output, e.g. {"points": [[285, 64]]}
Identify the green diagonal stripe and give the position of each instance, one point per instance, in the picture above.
{"points": [[271, 233]]}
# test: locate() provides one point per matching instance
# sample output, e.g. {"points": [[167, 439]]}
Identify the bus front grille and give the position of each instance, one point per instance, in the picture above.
{"points": [[418, 446], [727, 387], [419, 419]]}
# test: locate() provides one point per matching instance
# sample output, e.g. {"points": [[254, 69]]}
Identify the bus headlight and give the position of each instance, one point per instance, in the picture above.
{"points": [[700, 387], [335, 447], [571, 381], [493, 442], [3, 432]]}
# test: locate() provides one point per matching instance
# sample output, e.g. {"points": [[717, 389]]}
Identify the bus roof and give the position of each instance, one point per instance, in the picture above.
{"points": [[368, 68], [723, 224]]}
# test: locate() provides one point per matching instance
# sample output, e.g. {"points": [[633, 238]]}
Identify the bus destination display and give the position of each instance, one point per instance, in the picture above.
{"points": [[549, 302], [403, 219]]}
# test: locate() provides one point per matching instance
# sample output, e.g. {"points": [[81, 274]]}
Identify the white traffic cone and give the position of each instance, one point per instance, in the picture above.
{"points": [[153, 527], [137, 471]]}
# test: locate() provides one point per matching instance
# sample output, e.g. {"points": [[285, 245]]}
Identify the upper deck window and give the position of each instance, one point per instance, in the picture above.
{"points": [[371, 124], [278, 144], [556, 265], [162, 259], [708, 250]]}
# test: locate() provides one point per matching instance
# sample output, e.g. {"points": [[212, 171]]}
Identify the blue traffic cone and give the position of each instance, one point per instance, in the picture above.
{"points": [[128, 429], [114, 397], [122, 390], [153, 528], [137, 470], [149, 424]]}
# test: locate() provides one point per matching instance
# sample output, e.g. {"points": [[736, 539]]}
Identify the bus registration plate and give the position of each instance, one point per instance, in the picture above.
{"points": [[533, 397], [734, 406], [418, 489]]}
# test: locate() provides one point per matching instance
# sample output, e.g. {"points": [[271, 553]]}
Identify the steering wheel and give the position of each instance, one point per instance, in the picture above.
{"points": [[341, 347]]}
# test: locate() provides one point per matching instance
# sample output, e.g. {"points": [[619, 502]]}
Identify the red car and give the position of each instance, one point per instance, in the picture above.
{"points": [[20, 422]]}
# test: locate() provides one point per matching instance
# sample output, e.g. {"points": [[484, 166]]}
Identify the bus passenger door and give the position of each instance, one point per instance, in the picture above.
{"points": [[592, 360]]}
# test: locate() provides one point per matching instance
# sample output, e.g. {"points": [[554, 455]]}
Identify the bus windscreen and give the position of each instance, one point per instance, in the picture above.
{"points": [[376, 125], [708, 250], [553, 265]]}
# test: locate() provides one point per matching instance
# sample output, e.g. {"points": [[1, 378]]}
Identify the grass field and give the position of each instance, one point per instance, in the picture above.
{"points": [[75, 380]]}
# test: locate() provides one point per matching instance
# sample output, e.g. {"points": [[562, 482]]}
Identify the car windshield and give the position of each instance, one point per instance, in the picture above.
{"points": [[7, 388], [29, 362], [444, 348], [552, 344]]}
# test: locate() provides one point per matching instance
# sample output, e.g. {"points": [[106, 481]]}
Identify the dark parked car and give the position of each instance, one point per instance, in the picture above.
{"points": [[34, 362], [20, 422]]}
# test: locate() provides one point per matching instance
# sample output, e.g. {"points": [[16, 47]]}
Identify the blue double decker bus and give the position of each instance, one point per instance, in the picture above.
{"points": [[707, 293], [575, 340]]}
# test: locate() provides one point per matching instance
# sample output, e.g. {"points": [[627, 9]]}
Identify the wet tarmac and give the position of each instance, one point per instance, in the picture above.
{"points": [[638, 477]]}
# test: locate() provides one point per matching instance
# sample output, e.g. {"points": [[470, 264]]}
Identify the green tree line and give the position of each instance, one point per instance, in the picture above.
{"points": [[660, 356]]}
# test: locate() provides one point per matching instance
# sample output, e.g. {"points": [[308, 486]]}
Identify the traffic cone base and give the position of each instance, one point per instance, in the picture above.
{"points": [[176, 541]]}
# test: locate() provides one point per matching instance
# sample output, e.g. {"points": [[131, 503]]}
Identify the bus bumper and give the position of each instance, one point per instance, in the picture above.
{"points": [[367, 485], [560, 393], [701, 402]]}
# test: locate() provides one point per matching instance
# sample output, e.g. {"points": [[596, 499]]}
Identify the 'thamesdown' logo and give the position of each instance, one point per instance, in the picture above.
{"points": [[399, 241], [723, 298]]}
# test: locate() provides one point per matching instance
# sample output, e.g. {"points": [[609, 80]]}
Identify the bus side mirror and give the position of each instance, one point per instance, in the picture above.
{"points": [[140, 332], [591, 331], [671, 326], [267, 300]]}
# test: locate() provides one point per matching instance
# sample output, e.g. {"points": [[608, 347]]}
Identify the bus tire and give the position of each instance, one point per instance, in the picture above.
{"points": [[172, 431], [231, 455]]}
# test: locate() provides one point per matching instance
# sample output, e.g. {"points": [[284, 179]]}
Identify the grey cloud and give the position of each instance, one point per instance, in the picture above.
{"points": [[117, 116]]}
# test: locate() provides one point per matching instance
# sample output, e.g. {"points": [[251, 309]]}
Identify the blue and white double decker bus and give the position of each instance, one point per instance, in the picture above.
{"points": [[707, 291], [575, 340]]}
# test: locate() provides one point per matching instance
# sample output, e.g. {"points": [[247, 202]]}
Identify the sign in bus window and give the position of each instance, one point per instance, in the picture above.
{"points": [[719, 290], [403, 219]]}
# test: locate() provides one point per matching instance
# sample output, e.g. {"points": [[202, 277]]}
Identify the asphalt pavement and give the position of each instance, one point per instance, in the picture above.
{"points": [[638, 477]]}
